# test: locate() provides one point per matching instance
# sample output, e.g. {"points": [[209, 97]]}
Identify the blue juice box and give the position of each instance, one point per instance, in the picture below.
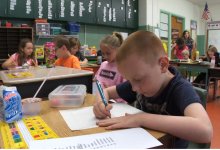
{"points": [[10, 104]]}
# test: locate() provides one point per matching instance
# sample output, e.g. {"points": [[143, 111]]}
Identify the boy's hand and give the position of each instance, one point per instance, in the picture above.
{"points": [[127, 121], [101, 111]]}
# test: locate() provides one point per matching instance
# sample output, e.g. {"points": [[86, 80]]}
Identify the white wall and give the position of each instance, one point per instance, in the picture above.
{"points": [[215, 11], [181, 8]]}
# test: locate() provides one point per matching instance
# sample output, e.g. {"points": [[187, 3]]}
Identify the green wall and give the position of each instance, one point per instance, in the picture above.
{"points": [[201, 43], [91, 34]]}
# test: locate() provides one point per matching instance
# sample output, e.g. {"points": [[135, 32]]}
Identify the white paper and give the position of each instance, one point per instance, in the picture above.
{"points": [[137, 138], [84, 118]]}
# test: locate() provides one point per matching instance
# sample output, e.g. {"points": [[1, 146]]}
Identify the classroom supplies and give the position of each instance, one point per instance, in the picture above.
{"points": [[19, 74], [12, 137], [101, 92], [68, 95], [19, 134], [84, 118], [11, 108], [31, 106], [38, 129], [39, 51], [134, 138], [49, 49]]}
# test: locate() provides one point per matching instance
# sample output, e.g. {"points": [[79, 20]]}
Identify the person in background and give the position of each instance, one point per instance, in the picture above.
{"points": [[74, 49], [65, 59], [24, 57], [159, 90], [179, 47], [108, 74], [188, 41], [211, 52], [185, 54]]}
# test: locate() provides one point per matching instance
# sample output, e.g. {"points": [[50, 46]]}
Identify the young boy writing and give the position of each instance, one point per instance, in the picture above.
{"points": [[169, 102], [62, 48]]}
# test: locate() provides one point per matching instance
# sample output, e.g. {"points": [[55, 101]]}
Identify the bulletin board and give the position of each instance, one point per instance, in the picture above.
{"points": [[214, 38]]}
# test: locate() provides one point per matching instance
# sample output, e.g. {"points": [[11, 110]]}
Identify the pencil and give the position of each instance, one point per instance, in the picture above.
{"points": [[101, 93]]}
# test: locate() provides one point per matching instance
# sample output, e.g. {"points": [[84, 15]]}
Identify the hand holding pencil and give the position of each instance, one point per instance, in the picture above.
{"points": [[101, 108]]}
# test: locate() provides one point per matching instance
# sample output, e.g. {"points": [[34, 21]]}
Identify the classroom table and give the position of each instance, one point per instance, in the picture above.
{"points": [[193, 67], [93, 67], [55, 121], [29, 80]]}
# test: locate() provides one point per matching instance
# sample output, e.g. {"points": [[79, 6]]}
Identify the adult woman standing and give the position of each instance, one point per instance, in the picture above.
{"points": [[189, 42]]}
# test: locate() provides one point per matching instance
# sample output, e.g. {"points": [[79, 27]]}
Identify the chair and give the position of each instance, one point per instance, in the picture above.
{"points": [[203, 96], [214, 76]]}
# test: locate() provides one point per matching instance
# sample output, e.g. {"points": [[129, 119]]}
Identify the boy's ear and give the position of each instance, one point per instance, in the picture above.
{"points": [[164, 64]]}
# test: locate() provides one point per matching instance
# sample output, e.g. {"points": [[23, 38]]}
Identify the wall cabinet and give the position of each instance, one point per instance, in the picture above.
{"points": [[20, 8], [132, 13], [87, 11], [118, 13], [3, 8], [104, 12], [10, 38]]}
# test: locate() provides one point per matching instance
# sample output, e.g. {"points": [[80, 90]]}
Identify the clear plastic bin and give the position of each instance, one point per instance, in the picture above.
{"points": [[67, 96]]}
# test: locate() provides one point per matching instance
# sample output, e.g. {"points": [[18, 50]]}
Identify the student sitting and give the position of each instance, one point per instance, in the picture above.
{"points": [[75, 47], [211, 52], [24, 56], [185, 54], [179, 47], [108, 74], [62, 48], [169, 102]]}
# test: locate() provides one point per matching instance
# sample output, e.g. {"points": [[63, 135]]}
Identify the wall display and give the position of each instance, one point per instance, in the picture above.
{"points": [[3, 8], [45, 9], [86, 11], [67, 10], [20, 8], [104, 12], [132, 13], [118, 13]]}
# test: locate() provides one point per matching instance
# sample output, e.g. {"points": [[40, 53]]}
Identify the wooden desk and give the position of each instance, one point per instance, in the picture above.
{"points": [[27, 86], [54, 119], [193, 67], [94, 67]]}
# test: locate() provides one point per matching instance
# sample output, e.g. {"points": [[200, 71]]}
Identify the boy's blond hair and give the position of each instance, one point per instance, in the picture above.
{"points": [[185, 52], [142, 43]]}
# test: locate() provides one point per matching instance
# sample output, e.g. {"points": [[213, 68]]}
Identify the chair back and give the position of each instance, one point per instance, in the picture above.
{"points": [[203, 96]]}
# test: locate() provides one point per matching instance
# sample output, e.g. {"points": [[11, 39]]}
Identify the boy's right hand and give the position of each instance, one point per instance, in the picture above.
{"points": [[100, 111]]}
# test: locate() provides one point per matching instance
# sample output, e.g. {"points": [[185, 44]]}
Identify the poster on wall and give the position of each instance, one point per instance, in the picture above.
{"points": [[213, 25]]}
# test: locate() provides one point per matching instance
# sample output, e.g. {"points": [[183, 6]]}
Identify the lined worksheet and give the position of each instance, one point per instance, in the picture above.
{"points": [[134, 138], [84, 118]]}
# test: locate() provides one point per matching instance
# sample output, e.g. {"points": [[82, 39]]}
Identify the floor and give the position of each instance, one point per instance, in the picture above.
{"points": [[213, 109]]}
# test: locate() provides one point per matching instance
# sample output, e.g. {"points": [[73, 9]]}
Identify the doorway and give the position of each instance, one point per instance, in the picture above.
{"points": [[176, 29]]}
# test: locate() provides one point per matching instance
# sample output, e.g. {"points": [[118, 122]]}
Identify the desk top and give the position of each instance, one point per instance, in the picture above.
{"points": [[191, 63], [34, 74], [54, 120], [88, 65]]}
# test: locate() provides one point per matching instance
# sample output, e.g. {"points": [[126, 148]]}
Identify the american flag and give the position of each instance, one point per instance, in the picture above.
{"points": [[206, 13]]}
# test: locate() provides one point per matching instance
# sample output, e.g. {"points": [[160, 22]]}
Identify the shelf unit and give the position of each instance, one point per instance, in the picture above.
{"points": [[10, 38]]}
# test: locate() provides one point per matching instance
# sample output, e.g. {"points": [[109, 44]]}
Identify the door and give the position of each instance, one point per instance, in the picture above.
{"points": [[176, 30]]}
